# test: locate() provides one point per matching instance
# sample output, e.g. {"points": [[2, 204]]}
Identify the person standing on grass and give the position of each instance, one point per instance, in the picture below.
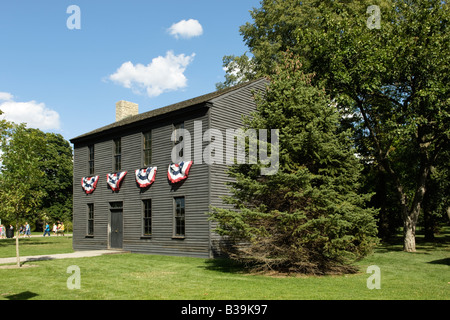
{"points": [[61, 228], [27, 230], [2, 231], [58, 228], [47, 230], [54, 229]]}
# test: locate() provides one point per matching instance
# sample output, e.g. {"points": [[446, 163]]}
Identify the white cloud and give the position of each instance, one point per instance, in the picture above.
{"points": [[186, 29], [160, 75], [5, 96], [35, 115]]}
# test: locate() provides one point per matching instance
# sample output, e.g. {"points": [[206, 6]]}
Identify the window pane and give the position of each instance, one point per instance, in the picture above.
{"points": [[147, 217], [90, 230], [147, 140], [118, 146], [147, 148], [177, 127], [179, 216], [118, 163], [147, 157], [117, 154], [91, 152], [91, 159]]}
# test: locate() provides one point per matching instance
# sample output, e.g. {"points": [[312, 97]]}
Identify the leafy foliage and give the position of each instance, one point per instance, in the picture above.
{"points": [[39, 166], [57, 182], [392, 83], [308, 217]]}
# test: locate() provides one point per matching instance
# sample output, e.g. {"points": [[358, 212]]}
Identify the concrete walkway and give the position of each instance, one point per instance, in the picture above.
{"points": [[77, 254]]}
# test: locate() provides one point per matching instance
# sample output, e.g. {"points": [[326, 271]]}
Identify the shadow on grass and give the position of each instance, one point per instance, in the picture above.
{"points": [[445, 261], [22, 296], [225, 265]]}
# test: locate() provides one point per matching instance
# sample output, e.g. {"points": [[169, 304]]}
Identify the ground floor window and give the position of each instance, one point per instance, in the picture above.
{"points": [[179, 213], [147, 217], [90, 228]]}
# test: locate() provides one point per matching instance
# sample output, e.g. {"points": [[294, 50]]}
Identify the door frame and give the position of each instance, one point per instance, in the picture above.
{"points": [[119, 227]]}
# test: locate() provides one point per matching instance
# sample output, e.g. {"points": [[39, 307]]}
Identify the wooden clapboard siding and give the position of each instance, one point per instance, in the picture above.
{"points": [[161, 193], [226, 113], [219, 110]]}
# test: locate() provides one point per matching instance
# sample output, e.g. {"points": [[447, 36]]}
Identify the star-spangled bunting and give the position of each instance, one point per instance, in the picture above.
{"points": [[146, 176], [89, 184], [114, 179], [178, 171]]}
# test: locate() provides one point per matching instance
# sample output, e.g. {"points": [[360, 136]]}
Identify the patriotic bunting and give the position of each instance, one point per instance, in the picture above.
{"points": [[114, 179], [145, 176], [178, 171], [89, 184]]}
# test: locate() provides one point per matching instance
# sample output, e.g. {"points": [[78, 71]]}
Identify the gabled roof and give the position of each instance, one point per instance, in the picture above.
{"points": [[203, 99]]}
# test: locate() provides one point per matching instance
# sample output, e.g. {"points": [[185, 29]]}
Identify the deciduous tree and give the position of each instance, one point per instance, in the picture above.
{"points": [[20, 175]]}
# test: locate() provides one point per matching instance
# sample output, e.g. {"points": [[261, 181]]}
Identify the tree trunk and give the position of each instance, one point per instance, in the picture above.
{"points": [[412, 215], [17, 245], [409, 235]]}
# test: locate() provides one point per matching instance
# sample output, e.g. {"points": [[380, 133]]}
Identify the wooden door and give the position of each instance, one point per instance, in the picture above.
{"points": [[116, 235]]}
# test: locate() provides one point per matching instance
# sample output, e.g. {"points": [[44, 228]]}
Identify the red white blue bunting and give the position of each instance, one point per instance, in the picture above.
{"points": [[178, 171], [146, 176], [89, 184], [114, 180]]}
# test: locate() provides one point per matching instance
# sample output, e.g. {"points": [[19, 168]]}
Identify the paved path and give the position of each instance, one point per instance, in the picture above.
{"points": [[77, 254]]}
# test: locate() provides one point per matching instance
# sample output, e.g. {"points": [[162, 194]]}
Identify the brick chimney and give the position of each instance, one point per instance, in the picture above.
{"points": [[125, 109]]}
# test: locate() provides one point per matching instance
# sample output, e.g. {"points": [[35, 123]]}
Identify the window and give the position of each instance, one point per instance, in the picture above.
{"points": [[147, 148], [179, 216], [90, 228], [117, 154], [147, 217], [178, 140], [91, 159]]}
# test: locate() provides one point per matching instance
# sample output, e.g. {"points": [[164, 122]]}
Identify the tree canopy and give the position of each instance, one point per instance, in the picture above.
{"points": [[392, 82]]}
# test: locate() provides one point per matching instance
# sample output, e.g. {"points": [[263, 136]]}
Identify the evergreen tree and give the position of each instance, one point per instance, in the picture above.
{"points": [[308, 217]]}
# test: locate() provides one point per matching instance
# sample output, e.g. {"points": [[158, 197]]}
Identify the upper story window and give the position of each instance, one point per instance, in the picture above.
{"points": [[117, 154], [176, 127], [91, 159], [147, 148]]}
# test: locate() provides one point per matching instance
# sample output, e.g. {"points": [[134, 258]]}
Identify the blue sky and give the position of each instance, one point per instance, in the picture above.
{"points": [[153, 53]]}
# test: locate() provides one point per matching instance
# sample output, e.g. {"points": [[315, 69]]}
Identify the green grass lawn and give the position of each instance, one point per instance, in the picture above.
{"points": [[405, 276], [36, 246]]}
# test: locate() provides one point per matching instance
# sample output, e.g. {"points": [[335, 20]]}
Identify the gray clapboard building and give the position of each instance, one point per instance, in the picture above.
{"points": [[163, 218]]}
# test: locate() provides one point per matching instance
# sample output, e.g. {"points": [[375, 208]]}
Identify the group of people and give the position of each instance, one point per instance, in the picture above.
{"points": [[3, 230], [24, 230], [57, 229]]}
